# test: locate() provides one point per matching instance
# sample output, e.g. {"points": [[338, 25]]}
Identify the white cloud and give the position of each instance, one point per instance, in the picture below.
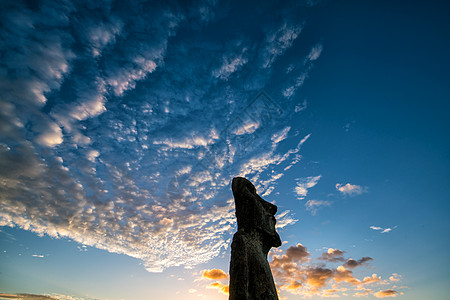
{"points": [[315, 52], [231, 64], [304, 184], [280, 136], [301, 107], [92, 155], [102, 34], [351, 189], [382, 230], [126, 79], [278, 41], [51, 137], [285, 218], [314, 205], [247, 128], [302, 74]]}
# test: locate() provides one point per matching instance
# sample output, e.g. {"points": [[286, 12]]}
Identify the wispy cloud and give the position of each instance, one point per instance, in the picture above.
{"points": [[300, 73], [278, 41], [304, 184], [314, 205], [386, 293], [382, 230], [395, 277], [231, 63], [285, 218], [351, 189]]}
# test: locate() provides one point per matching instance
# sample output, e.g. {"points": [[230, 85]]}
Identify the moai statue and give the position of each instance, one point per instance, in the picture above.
{"points": [[250, 274]]}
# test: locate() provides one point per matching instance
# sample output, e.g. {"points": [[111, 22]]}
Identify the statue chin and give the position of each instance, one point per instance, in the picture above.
{"points": [[274, 239]]}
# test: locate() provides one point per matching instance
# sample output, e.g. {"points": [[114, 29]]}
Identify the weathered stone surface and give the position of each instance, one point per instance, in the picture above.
{"points": [[250, 274]]}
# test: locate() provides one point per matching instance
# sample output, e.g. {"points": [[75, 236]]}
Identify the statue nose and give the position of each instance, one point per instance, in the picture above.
{"points": [[272, 209]]}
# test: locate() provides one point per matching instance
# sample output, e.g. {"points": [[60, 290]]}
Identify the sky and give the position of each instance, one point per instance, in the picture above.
{"points": [[122, 124]]}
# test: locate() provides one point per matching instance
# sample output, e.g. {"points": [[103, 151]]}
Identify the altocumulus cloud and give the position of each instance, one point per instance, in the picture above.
{"points": [[122, 124]]}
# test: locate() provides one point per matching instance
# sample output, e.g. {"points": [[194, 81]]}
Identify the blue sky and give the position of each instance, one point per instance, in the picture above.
{"points": [[122, 125]]}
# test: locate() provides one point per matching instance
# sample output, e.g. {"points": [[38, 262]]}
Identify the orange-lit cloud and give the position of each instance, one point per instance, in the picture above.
{"points": [[296, 273], [363, 292], [395, 277], [223, 288], [296, 253], [214, 274], [386, 293]]}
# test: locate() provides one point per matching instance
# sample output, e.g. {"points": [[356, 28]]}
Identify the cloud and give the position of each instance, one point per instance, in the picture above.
{"points": [[278, 41], [351, 263], [314, 205], [295, 272], [315, 52], [303, 184], [300, 73], [382, 230], [121, 132], [223, 288], [386, 293], [301, 107], [395, 277], [214, 274], [293, 254], [333, 255], [363, 292], [231, 62], [350, 189], [27, 297], [285, 218]]}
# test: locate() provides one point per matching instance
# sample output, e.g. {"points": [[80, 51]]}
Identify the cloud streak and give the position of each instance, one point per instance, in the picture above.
{"points": [[382, 230], [351, 189], [304, 184]]}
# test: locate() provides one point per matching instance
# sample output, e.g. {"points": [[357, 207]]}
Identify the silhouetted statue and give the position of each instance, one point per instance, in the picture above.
{"points": [[250, 274]]}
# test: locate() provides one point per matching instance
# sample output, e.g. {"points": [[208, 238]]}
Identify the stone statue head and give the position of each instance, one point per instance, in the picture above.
{"points": [[253, 212]]}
